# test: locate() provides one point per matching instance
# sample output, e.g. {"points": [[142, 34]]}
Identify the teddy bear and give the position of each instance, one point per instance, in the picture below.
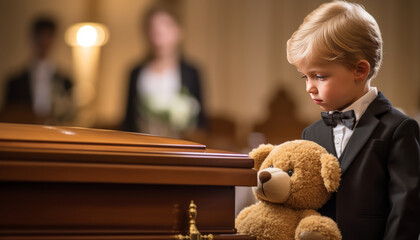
{"points": [[294, 179]]}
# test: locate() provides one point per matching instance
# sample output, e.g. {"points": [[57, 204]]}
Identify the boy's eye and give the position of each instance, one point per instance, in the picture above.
{"points": [[320, 77], [304, 76]]}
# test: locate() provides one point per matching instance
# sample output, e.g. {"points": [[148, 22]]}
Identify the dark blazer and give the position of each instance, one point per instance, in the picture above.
{"points": [[190, 79], [18, 92], [379, 194], [18, 88]]}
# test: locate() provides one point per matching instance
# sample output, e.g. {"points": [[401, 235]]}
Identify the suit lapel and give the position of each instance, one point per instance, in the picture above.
{"points": [[361, 135], [364, 130], [325, 138]]}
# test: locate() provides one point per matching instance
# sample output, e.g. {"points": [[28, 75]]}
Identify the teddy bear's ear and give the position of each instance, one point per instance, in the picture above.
{"points": [[260, 153], [330, 172]]}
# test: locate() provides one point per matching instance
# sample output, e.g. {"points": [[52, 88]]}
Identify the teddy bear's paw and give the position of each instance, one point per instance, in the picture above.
{"points": [[317, 227], [311, 236]]}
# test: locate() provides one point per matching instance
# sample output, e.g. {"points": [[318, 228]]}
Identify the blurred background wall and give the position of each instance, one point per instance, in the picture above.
{"points": [[240, 48]]}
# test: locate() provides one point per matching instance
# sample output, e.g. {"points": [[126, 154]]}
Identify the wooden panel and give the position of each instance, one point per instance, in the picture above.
{"points": [[125, 173], [53, 208], [94, 153]]}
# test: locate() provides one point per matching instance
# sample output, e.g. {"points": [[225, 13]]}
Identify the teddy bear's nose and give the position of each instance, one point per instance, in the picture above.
{"points": [[264, 176]]}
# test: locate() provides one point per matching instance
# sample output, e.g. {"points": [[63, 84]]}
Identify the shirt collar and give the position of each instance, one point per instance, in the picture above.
{"points": [[361, 104]]}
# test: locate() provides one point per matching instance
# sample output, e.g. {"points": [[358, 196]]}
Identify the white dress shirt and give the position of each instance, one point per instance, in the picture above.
{"points": [[42, 73], [158, 92], [342, 134], [159, 89]]}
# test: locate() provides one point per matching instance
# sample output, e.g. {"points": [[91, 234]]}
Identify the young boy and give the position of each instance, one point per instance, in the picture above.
{"points": [[338, 51]]}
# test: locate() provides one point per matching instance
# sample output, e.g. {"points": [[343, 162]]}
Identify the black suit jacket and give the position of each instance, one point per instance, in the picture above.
{"points": [[190, 79], [19, 93], [379, 195], [19, 87]]}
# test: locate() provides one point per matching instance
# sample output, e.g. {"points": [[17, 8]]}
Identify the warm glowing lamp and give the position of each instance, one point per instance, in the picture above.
{"points": [[87, 35], [86, 40]]}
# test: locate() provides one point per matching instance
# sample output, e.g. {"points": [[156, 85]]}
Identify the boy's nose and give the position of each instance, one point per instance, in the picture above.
{"points": [[310, 88]]}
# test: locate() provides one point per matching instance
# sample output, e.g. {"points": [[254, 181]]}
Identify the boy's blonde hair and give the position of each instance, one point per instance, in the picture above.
{"points": [[338, 31]]}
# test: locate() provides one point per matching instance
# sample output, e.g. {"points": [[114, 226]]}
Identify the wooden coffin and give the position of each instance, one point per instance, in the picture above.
{"points": [[78, 183]]}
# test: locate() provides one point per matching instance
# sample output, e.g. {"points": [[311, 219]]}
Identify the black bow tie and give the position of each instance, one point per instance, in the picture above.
{"points": [[348, 118]]}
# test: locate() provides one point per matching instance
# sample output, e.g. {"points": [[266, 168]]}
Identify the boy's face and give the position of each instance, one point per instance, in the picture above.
{"points": [[332, 86]]}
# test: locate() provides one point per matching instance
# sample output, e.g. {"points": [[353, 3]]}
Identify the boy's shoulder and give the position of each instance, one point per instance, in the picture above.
{"points": [[395, 119], [317, 128], [381, 108], [316, 124]]}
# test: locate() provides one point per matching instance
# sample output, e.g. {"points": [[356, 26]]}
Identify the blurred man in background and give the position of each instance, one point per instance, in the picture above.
{"points": [[39, 93]]}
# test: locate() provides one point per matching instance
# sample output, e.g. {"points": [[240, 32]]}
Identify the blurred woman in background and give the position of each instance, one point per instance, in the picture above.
{"points": [[164, 96]]}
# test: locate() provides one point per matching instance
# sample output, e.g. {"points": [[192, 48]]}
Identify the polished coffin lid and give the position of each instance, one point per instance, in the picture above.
{"points": [[71, 154]]}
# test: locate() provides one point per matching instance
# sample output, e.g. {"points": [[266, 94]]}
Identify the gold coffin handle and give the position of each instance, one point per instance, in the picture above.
{"points": [[194, 233]]}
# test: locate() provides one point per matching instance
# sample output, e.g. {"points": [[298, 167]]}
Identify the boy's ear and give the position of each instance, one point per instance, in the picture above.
{"points": [[362, 69], [330, 172], [260, 153]]}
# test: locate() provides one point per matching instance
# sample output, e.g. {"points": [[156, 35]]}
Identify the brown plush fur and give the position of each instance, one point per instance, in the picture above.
{"points": [[316, 175], [259, 154]]}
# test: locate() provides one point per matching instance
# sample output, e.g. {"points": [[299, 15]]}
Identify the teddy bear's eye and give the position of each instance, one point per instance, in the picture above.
{"points": [[271, 166], [290, 172]]}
